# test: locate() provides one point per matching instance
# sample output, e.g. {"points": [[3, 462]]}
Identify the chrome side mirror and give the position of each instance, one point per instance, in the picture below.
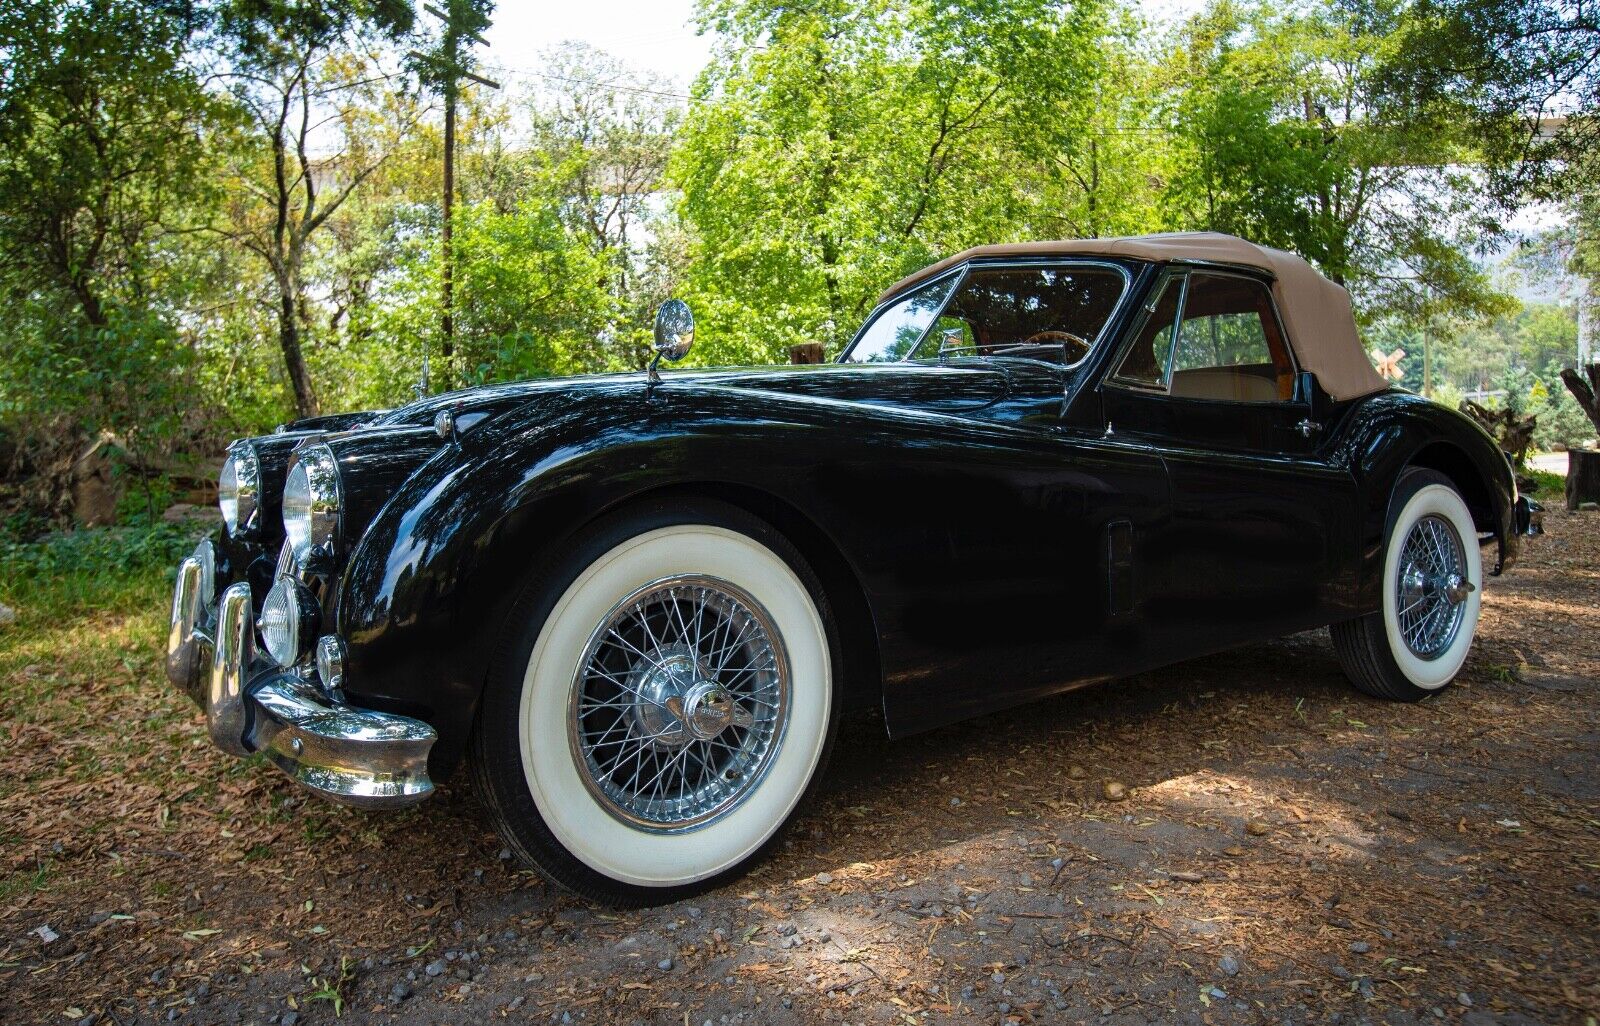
{"points": [[674, 334]]}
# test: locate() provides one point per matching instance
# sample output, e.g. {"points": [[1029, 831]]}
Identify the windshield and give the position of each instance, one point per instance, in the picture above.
{"points": [[1049, 313]]}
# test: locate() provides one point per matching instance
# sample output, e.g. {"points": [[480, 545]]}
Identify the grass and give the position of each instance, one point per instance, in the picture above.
{"points": [[91, 611], [1546, 483]]}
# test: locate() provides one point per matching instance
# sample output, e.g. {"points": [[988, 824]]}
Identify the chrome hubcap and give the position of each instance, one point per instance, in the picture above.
{"points": [[679, 702], [1432, 587]]}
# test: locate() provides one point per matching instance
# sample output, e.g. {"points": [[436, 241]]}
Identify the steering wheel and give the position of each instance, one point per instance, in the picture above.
{"points": [[1063, 337]]}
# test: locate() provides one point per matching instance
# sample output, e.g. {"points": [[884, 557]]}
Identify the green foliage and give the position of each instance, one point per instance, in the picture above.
{"points": [[107, 552], [530, 298], [1546, 484], [127, 374], [184, 259], [102, 162], [1287, 138], [836, 146]]}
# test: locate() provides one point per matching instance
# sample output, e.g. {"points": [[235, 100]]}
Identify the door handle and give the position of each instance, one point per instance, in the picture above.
{"points": [[1307, 427]]}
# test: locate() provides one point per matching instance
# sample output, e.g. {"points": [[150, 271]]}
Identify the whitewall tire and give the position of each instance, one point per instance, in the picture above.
{"points": [[668, 704], [1432, 596]]}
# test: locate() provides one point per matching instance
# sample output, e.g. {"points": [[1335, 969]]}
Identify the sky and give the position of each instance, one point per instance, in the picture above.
{"points": [[657, 35]]}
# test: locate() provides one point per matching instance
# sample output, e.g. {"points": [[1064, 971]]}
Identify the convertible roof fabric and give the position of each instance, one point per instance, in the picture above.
{"points": [[1316, 312]]}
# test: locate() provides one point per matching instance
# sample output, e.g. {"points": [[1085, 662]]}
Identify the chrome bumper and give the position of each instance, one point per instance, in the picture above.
{"points": [[352, 756]]}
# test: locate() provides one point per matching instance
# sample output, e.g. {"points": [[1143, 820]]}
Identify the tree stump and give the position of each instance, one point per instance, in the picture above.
{"points": [[806, 352], [1583, 477], [1514, 433]]}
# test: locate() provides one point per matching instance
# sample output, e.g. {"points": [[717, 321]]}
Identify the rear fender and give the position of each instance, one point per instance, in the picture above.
{"points": [[1390, 432]]}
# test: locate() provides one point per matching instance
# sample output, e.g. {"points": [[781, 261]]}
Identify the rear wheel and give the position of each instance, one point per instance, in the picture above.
{"points": [[1417, 642], [667, 700]]}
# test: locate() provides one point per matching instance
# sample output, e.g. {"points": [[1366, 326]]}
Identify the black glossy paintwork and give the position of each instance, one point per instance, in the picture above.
{"points": [[986, 535]]}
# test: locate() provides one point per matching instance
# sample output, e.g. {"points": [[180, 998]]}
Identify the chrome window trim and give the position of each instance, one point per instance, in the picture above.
{"points": [[1181, 275], [961, 272], [1185, 271]]}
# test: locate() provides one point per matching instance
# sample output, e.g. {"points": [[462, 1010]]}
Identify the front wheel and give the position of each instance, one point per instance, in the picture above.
{"points": [[1432, 580], [666, 701]]}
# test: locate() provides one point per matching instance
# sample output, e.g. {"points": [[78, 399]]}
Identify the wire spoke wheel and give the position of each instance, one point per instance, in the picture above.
{"points": [[679, 703], [1431, 587]]}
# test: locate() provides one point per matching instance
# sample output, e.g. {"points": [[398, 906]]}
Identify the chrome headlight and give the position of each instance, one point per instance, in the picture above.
{"points": [[288, 621], [311, 501], [239, 489]]}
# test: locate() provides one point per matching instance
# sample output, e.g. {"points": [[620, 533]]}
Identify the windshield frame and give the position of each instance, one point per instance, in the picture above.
{"points": [[961, 273]]}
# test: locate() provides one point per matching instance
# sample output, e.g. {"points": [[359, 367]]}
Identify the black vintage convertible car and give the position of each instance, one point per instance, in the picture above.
{"points": [[636, 605]]}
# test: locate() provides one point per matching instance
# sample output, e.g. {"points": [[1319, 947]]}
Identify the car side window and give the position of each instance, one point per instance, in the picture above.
{"points": [[894, 334], [1145, 362], [1230, 346]]}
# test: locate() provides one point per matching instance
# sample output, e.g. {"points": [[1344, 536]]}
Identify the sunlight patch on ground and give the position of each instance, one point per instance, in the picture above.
{"points": [[1208, 799]]}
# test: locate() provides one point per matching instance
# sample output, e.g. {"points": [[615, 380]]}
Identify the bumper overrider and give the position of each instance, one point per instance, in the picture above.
{"points": [[353, 756]]}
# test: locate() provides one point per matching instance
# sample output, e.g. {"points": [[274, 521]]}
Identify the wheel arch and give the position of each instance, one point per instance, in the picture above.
{"points": [[862, 687], [1452, 461], [1394, 432]]}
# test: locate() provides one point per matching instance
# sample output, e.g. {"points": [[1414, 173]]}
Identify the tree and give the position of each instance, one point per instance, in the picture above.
{"points": [[105, 163], [1105, 173], [303, 73], [835, 145], [600, 137], [1504, 70], [1524, 81], [1290, 141]]}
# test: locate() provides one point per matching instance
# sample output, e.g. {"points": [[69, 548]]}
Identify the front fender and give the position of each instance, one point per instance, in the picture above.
{"points": [[426, 596]]}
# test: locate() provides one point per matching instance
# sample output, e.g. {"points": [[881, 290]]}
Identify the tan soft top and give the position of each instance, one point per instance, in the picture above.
{"points": [[1316, 312]]}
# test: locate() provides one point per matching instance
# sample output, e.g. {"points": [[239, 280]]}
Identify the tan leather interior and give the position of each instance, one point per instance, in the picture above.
{"points": [[1254, 384]]}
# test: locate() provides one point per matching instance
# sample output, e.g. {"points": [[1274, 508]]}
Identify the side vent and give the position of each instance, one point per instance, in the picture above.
{"points": [[1119, 566]]}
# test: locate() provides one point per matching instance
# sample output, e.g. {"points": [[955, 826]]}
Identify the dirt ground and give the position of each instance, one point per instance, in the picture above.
{"points": [[1287, 851]]}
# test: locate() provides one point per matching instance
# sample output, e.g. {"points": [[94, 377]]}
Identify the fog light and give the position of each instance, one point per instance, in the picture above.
{"points": [[288, 621], [330, 663]]}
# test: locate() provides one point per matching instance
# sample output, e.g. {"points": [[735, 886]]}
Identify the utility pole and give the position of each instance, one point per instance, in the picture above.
{"points": [[463, 20], [1427, 361]]}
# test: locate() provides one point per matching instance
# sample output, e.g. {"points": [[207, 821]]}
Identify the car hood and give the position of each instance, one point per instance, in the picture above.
{"points": [[956, 386]]}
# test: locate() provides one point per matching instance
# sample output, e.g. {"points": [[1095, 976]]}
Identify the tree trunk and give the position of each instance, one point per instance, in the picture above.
{"points": [[1583, 477], [1588, 320], [305, 399], [1512, 433], [447, 318], [1585, 391]]}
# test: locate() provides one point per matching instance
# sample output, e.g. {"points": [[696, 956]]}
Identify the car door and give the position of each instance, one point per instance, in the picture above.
{"points": [[1264, 525], [1011, 571]]}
